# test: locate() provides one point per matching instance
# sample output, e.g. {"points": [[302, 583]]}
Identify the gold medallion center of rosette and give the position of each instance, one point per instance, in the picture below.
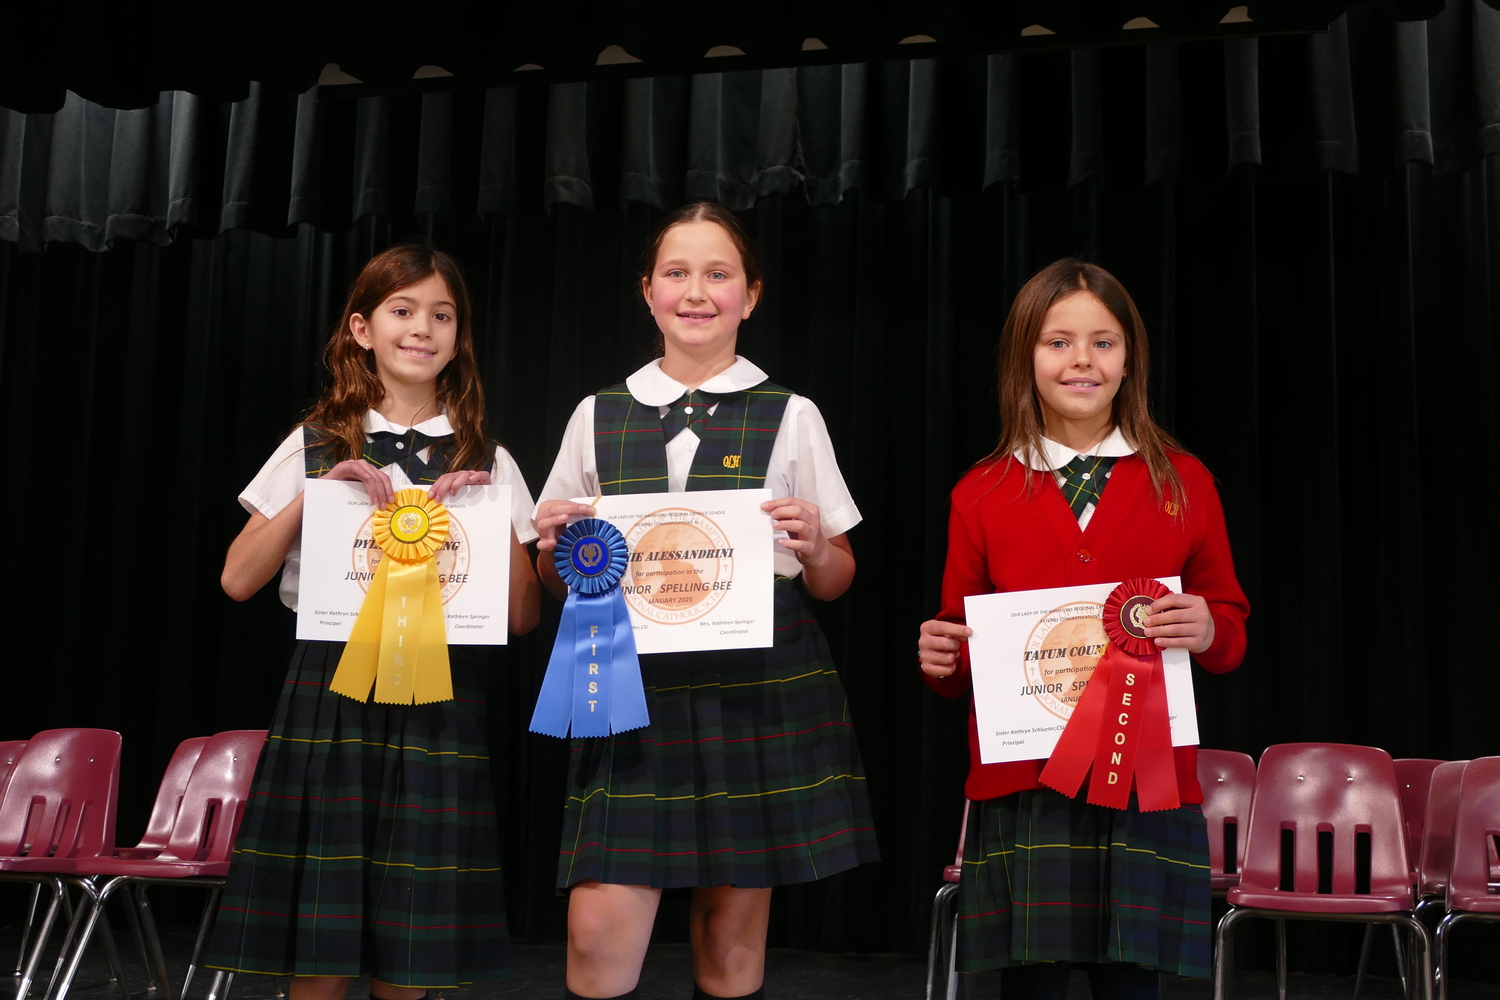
{"points": [[399, 643]]}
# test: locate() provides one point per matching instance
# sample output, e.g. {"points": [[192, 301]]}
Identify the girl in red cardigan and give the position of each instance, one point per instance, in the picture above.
{"points": [[1083, 488]]}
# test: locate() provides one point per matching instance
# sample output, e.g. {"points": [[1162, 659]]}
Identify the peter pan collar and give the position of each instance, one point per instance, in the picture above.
{"points": [[654, 387], [437, 426], [1058, 455]]}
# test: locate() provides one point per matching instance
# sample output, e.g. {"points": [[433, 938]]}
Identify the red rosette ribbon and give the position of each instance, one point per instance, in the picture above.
{"points": [[1120, 727]]}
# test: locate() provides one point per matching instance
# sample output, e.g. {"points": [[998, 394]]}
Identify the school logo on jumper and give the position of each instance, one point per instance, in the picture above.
{"points": [[452, 558], [681, 566], [1061, 653]]}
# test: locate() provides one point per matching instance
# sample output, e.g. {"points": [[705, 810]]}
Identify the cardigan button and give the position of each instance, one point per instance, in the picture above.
{"points": [[1084, 555]]}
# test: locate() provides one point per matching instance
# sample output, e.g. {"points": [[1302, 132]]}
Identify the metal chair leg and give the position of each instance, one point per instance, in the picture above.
{"points": [[951, 993], [80, 931], [218, 988], [153, 940], [935, 938], [1224, 954], [28, 972], [36, 895], [117, 970], [1406, 985], [140, 944], [1444, 932], [205, 924], [1364, 959], [1421, 966], [1281, 959]]}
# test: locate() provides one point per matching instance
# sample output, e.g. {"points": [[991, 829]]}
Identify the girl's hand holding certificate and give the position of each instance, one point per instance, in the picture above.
{"points": [[1177, 621], [827, 563], [379, 487]]}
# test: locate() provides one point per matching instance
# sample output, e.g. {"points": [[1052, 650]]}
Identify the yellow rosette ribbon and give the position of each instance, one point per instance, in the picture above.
{"points": [[399, 642]]}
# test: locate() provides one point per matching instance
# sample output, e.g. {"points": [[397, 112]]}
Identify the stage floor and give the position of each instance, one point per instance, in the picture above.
{"points": [[790, 975]]}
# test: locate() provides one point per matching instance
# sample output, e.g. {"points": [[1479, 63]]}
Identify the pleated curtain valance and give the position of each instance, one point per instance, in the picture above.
{"points": [[1369, 93]]}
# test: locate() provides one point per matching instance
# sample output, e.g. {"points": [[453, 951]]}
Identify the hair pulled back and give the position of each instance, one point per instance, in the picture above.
{"points": [[355, 385], [704, 211], [1021, 420], [700, 211]]}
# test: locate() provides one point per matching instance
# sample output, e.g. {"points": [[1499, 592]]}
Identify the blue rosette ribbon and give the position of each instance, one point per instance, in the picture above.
{"points": [[593, 683]]}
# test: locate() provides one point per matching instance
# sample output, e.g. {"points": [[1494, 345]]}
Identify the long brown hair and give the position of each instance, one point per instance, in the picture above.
{"points": [[703, 211], [1021, 419], [339, 416]]}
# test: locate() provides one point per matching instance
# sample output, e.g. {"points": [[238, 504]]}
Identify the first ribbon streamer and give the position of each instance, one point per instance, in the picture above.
{"points": [[399, 642], [593, 682], [1121, 726]]}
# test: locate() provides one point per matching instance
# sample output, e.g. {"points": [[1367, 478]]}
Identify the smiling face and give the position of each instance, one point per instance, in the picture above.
{"points": [[697, 290], [1078, 363], [412, 333]]}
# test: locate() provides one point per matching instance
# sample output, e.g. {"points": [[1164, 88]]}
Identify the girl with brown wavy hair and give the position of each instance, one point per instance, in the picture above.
{"points": [[369, 847], [1083, 488]]}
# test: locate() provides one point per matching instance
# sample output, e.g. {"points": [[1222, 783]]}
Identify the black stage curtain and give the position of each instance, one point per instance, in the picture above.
{"points": [[1318, 267]]}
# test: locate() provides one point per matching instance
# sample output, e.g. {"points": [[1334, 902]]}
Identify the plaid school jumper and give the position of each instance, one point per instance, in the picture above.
{"points": [[748, 774], [369, 844]]}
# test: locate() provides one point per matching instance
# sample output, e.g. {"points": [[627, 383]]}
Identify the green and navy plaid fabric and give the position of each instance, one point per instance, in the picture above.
{"points": [[734, 444], [690, 409], [1047, 878], [749, 773], [1084, 480], [369, 845]]}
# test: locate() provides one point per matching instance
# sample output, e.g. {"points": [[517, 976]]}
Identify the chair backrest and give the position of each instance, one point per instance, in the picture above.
{"points": [[1228, 780], [1475, 828], [214, 800], [1332, 799], [1413, 777], [169, 793], [60, 800], [9, 751], [1437, 828]]}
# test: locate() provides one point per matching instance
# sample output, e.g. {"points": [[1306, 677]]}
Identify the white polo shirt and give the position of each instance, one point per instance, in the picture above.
{"points": [[802, 462], [284, 476]]}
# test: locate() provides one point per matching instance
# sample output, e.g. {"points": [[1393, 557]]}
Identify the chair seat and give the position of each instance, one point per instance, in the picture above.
{"points": [[1319, 902], [47, 866], [1224, 880], [1473, 902], [953, 873], [137, 852], [152, 868]]}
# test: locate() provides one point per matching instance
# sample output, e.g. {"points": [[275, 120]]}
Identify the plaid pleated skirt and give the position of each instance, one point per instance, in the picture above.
{"points": [[1047, 878], [369, 843], [748, 775]]}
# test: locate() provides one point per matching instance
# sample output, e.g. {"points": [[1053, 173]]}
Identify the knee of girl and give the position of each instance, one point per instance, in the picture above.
{"points": [[594, 935], [725, 960]]}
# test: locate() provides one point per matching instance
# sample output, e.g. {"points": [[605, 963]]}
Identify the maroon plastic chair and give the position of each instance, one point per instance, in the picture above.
{"points": [[942, 946], [58, 809], [1413, 779], [168, 798], [1475, 828], [1437, 833], [1305, 792], [9, 751], [1228, 780], [197, 854]]}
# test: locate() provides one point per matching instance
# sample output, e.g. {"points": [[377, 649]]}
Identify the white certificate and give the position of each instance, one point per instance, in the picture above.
{"points": [[1032, 654], [701, 568], [339, 559]]}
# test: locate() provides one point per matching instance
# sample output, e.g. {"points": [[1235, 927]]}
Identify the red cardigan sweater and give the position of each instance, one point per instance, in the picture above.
{"points": [[1000, 540]]}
